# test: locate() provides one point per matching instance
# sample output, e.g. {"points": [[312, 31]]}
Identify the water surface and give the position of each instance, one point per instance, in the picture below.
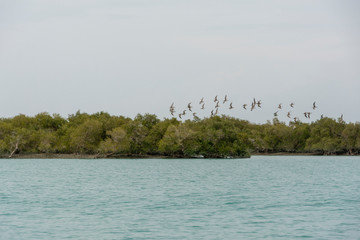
{"points": [[264, 197]]}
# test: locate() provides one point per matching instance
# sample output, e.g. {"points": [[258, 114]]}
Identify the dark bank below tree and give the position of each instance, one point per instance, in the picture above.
{"points": [[102, 135]]}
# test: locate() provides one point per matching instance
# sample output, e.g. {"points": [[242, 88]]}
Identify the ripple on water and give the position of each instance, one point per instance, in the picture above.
{"points": [[258, 198]]}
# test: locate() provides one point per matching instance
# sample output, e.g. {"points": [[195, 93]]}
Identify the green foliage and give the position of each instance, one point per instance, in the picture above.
{"points": [[325, 136], [179, 140], [46, 141], [117, 142], [351, 137], [45, 121], [222, 137], [147, 135], [86, 137], [298, 135], [156, 133]]}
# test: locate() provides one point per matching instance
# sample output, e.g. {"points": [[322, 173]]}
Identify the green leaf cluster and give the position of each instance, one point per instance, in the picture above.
{"points": [[146, 135]]}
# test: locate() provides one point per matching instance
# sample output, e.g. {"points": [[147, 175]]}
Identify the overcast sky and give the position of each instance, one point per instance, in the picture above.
{"points": [[138, 56]]}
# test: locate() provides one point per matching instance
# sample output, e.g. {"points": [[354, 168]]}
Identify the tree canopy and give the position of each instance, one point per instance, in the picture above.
{"points": [[146, 135]]}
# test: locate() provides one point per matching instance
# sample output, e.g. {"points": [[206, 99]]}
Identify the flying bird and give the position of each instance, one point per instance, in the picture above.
{"points": [[172, 109], [314, 106], [225, 100], [231, 106], [280, 106], [201, 101], [276, 114], [307, 114], [252, 106], [216, 99], [189, 107], [288, 115], [259, 103], [203, 106], [217, 105], [292, 105], [244, 106]]}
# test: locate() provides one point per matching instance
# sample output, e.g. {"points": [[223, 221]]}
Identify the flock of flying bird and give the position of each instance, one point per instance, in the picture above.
{"points": [[254, 104]]}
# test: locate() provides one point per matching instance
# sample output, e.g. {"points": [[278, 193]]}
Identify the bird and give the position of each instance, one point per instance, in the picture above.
{"points": [[225, 100], [203, 106], [216, 111], [322, 116], [217, 105], [276, 114], [201, 101], [244, 106], [212, 113], [189, 107], [307, 114], [341, 118], [194, 114], [288, 115], [314, 106], [180, 115], [292, 105], [216, 100], [184, 112], [172, 109], [280, 106], [252, 106], [231, 106], [295, 119], [259, 103]]}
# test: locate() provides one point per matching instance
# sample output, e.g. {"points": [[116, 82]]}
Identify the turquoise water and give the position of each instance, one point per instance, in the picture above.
{"points": [[264, 197]]}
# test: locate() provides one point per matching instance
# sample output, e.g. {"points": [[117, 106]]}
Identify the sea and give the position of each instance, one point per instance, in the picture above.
{"points": [[262, 197]]}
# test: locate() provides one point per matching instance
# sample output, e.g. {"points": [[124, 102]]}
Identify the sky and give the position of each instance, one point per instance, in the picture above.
{"points": [[127, 57]]}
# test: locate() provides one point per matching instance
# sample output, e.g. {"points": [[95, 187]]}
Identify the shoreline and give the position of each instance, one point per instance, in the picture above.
{"points": [[74, 156], [104, 156], [303, 154]]}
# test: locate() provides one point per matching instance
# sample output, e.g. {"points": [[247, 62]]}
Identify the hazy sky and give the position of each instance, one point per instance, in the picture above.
{"points": [[138, 56]]}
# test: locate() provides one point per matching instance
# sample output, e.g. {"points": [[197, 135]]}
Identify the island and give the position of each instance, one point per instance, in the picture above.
{"points": [[101, 135]]}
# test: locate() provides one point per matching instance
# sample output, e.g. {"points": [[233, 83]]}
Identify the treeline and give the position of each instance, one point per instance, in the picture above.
{"points": [[115, 136]]}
